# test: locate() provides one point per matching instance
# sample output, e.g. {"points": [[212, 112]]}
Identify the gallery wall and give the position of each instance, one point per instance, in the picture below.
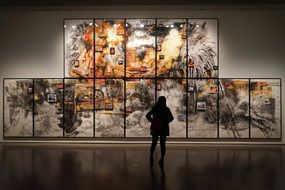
{"points": [[251, 42]]}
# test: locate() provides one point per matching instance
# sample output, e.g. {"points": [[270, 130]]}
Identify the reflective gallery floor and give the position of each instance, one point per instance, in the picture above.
{"points": [[89, 166]]}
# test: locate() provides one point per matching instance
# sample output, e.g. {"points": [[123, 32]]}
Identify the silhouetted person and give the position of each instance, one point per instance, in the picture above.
{"points": [[160, 116]]}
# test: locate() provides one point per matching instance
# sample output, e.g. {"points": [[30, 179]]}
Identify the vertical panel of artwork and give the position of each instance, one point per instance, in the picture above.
{"points": [[171, 48], [234, 108], [202, 108], [175, 92], [79, 48], [18, 107], [78, 107], [48, 107], [109, 108], [265, 108], [140, 55], [140, 96], [202, 48], [110, 48]]}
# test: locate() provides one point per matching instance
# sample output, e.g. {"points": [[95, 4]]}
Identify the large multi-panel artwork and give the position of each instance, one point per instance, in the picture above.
{"points": [[114, 71], [116, 108], [141, 48]]}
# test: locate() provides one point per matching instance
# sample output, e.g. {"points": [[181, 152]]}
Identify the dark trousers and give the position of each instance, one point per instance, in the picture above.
{"points": [[162, 140]]}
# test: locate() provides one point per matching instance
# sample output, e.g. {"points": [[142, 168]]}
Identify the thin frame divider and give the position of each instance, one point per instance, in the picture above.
{"points": [[218, 109], [249, 105], [63, 109], [155, 66], [33, 110], [187, 80], [125, 75], [281, 126], [94, 88], [3, 109]]}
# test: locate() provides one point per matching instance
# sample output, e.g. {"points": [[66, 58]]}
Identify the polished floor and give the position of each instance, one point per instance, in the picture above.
{"points": [[126, 167]]}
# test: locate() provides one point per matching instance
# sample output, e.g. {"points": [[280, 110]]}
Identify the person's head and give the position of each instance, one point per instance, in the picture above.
{"points": [[161, 102]]}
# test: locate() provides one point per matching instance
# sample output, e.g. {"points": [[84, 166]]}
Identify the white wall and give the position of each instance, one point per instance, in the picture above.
{"points": [[251, 41]]}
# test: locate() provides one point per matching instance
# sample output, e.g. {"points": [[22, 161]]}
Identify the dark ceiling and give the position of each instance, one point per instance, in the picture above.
{"points": [[50, 3]]}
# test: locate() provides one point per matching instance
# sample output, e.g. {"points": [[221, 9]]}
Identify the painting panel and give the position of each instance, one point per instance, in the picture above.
{"points": [[110, 48], [234, 108], [203, 48], [171, 48], [140, 97], [202, 108], [175, 92], [48, 107], [109, 108], [18, 107], [140, 52], [79, 48], [78, 107], [265, 108]]}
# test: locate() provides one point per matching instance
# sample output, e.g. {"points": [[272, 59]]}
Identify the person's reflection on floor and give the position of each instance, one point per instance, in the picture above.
{"points": [[70, 169], [161, 184]]}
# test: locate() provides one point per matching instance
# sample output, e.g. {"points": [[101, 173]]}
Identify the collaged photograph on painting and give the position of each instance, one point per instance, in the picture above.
{"points": [[265, 108], [202, 108], [79, 48], [109, 48], [140, 55], [202, 48], [140, 97], [18, 107], [171, 48], [175, 93], [234, 108], [78, 107], [48, 107], [109, 108]]}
